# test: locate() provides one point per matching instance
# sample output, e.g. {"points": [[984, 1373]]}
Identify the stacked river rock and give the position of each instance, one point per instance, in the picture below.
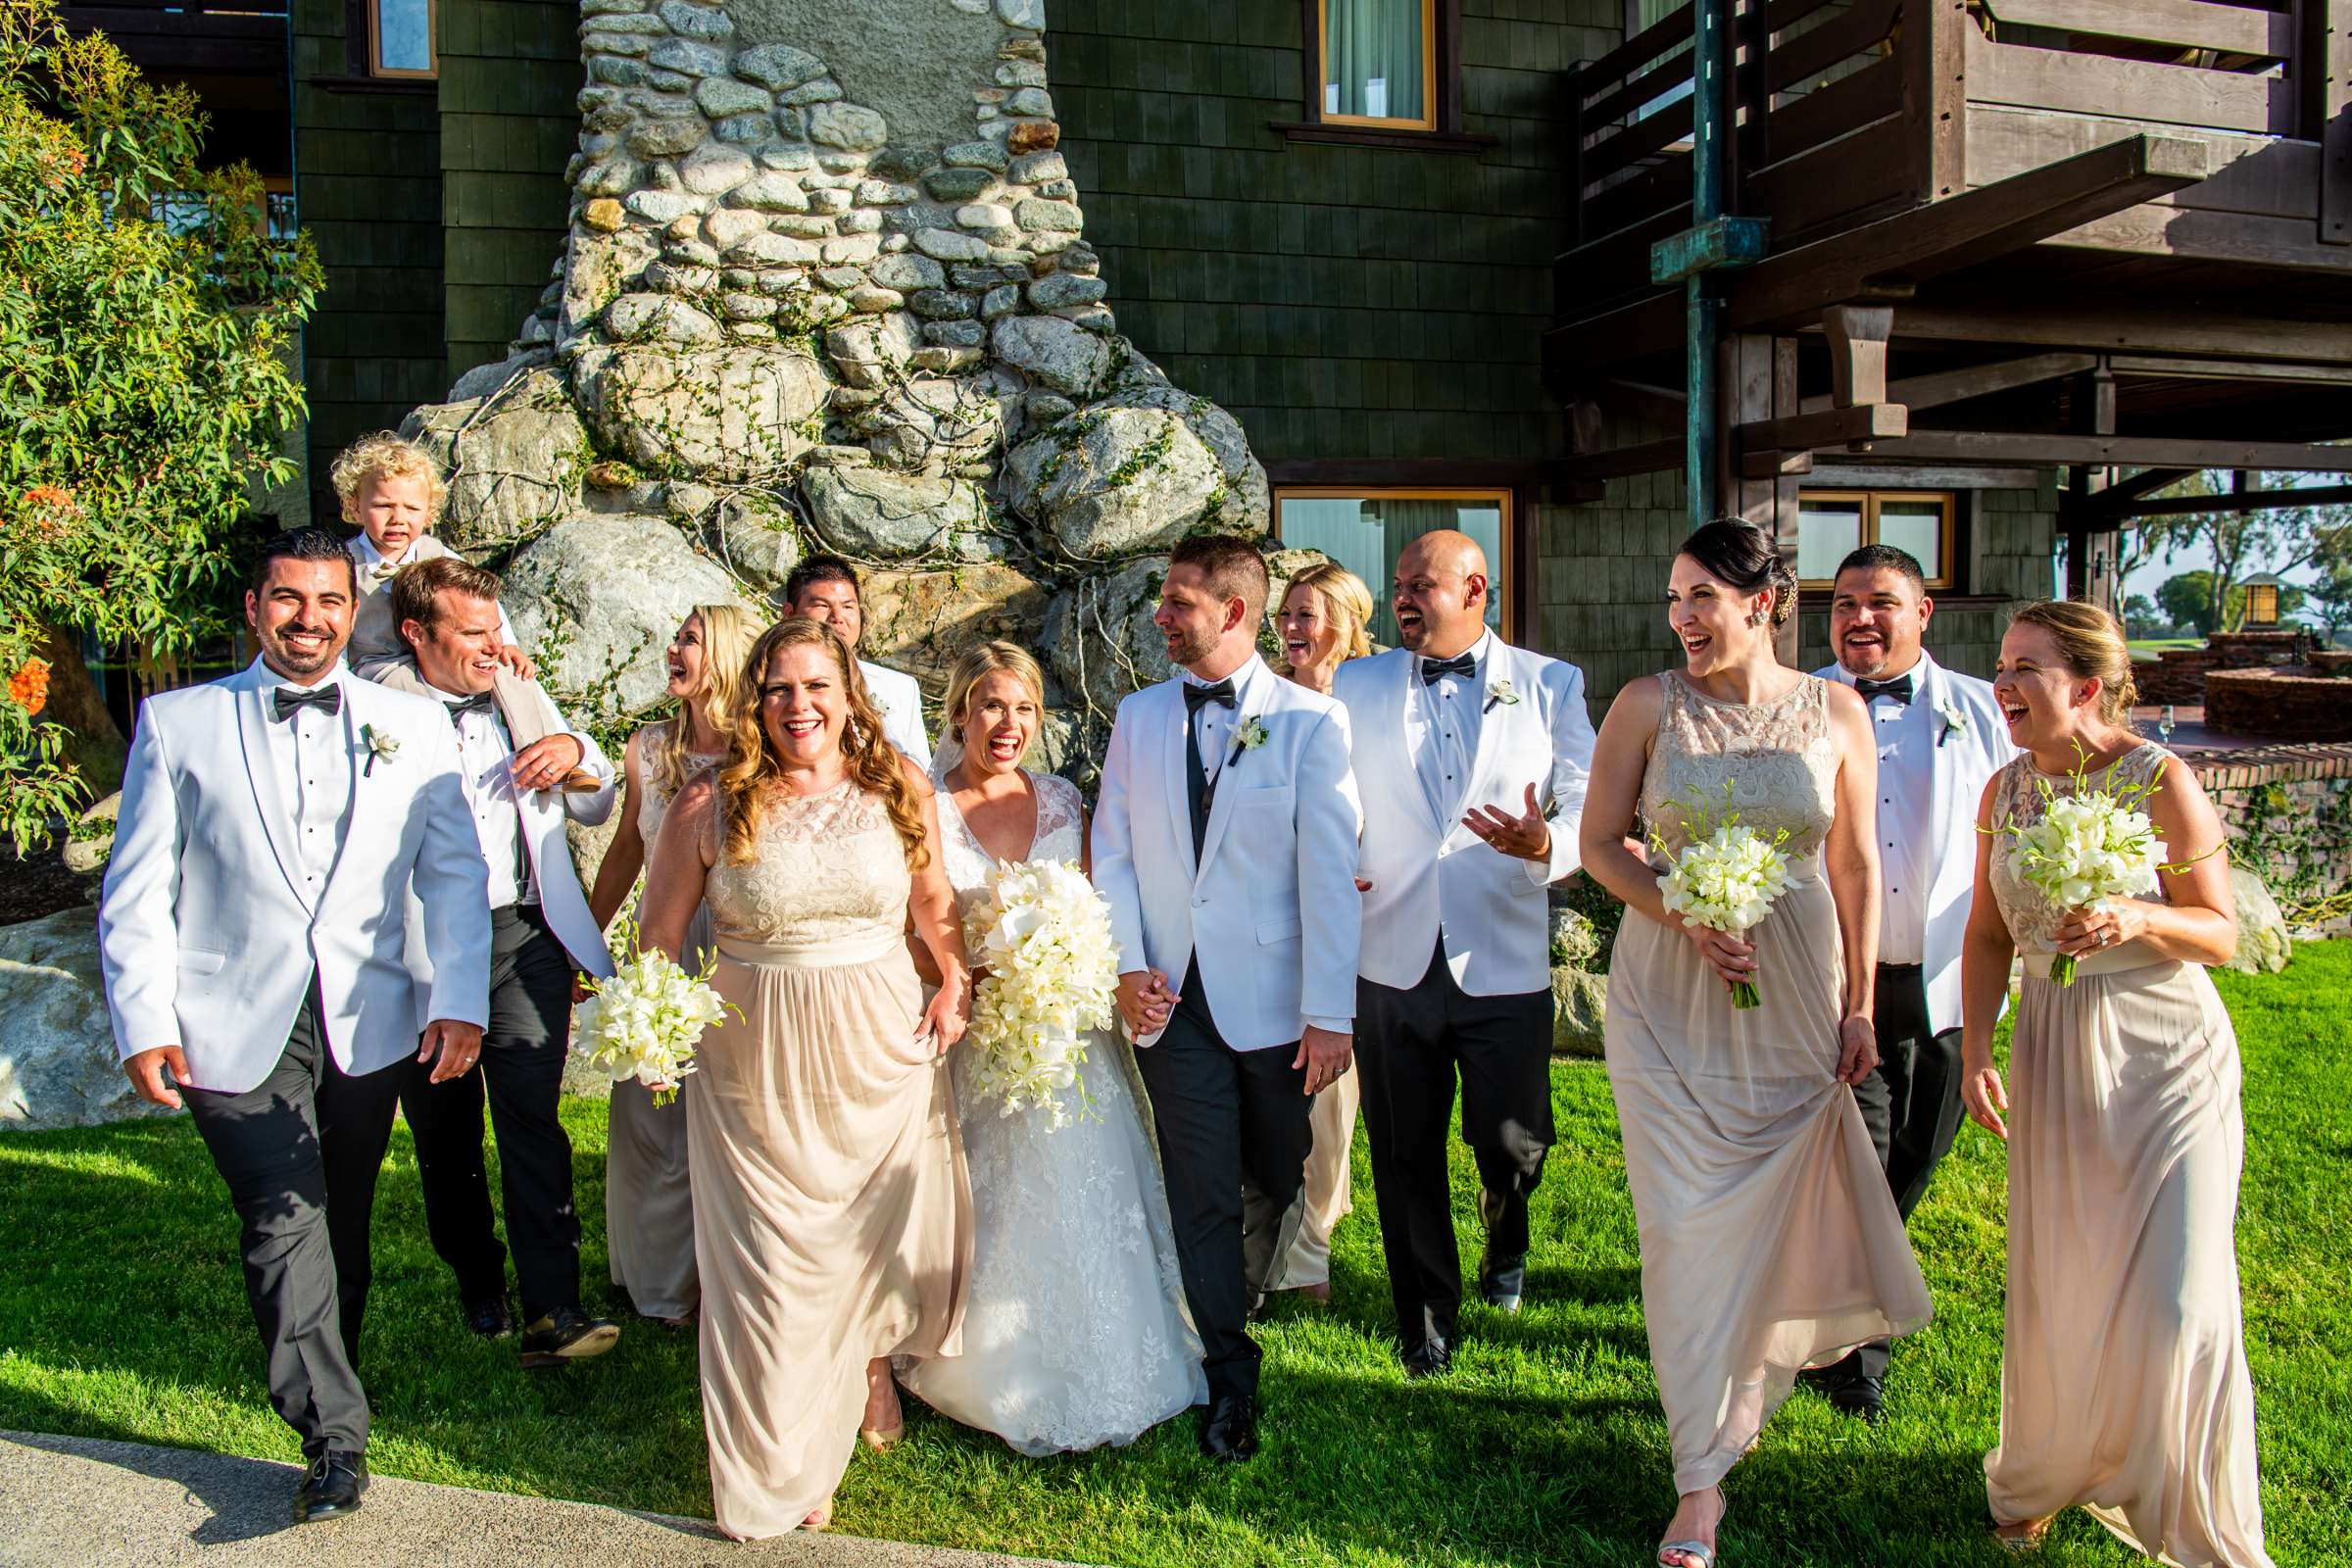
{"points": [[825, 287]]}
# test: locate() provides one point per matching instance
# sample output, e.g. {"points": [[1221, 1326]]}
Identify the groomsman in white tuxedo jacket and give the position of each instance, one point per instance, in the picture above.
{"points": [[1471, 757], [526, 773], [1940, 738], [1225, 840], [273, 826], [826, 588]]}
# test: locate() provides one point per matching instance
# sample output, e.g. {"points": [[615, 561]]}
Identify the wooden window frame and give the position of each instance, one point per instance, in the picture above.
{"points": [[1506, 498], [1871, 501], [1428, 120], [1440, 131], [372, 19]]}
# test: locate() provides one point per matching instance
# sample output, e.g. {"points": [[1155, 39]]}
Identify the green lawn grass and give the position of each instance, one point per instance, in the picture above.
{"points": [[2156, 645], [122, 1315]]}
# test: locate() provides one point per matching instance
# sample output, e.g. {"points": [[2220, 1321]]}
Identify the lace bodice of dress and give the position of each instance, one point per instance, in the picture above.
{"points": [[1060, 816], [653, 807], [2017, 797], [825, 868], [1773, 763]]}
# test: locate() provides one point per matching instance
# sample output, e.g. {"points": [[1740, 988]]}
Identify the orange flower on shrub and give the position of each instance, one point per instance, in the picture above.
{"points": [[28, 688], [46, 508]]}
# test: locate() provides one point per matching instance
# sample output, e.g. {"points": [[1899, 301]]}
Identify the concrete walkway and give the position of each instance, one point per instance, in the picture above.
{"points": [[98, 1505]]}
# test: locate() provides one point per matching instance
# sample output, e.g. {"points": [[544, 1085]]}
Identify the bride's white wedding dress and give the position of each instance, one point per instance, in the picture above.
{"points": [[1074, 1335]]}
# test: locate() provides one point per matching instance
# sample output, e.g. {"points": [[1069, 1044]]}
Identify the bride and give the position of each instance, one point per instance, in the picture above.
{"points": [[1074, 1335]]}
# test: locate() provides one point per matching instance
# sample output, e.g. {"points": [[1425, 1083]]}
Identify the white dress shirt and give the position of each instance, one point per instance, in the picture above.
{"points": [[1905, 733], [486, 753], [1453, 707], [307, 750]]}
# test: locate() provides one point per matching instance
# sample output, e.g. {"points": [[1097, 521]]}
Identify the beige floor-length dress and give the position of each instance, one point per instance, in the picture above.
{"points": [[832, 1217], [1769, 1241], [2124, 1381], [1326, 1199], [648, 1198]]}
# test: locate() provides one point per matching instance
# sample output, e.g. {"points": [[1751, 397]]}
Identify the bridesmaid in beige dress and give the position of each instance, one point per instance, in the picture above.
{"points": [[2124, 1381], [649, 1202], [1322, 624], [1769, 1241], [832, 1217]]}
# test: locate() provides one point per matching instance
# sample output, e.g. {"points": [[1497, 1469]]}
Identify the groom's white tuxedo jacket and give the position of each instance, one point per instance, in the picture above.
{"points": [[1429, 874], [207, 935], [1271, 907], [1951, 765]]}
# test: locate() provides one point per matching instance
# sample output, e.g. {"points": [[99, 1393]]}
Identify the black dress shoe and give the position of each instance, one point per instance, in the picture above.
{"points": [[1862, 1396], [1502, 1277], [1229, 1431], [332, 1487], [1427, 1360], [489, 1316], [566, 1335]]}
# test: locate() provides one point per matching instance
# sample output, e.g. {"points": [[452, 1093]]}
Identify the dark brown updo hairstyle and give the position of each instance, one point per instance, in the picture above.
{"points": [[2091, 645], [1745, 557]]}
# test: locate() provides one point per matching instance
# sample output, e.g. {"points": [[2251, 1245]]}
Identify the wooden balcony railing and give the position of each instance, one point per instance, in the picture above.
{"points": [[1846, 111]]}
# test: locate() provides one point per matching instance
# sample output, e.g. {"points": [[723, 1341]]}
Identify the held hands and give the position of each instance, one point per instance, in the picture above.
{"points": [[1326, 1054], [951, 1010], [1981, 1092], [517, 663], [2107, 924], [1522, 838], [1858, 1047], [145, 1069], [547, 761], [459, 1045], [1145, 1002]]}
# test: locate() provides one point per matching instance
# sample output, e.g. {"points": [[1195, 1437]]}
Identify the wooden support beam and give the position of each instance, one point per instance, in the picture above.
{"points": [[1651, 405], [2031, 451], [1979, 381], [1857, 336], [1831, 428], [2230, 369], [2077, 323], [2318, 495], [1976, 226]]}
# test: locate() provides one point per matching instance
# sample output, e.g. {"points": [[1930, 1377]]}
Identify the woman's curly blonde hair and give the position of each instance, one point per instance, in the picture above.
{"points": [[385, 456], [753, 764]]}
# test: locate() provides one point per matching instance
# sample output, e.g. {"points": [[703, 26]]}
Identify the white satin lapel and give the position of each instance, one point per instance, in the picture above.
{"points": [[1479, 790], [269, 790], [356, 765], [1939, 805], [1172, 742]]}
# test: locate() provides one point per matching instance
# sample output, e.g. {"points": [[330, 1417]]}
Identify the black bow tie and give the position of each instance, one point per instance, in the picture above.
{"points": [[327, 696], [1196, 696], [1464, 666], [1898, 688], [478, 703]]}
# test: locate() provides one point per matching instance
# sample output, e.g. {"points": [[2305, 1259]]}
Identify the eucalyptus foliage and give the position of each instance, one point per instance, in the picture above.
{"points": [[145, 373]]}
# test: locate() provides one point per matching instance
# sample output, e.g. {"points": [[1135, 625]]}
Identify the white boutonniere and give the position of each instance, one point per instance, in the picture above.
{"points": [[1248, 736], [1954, 718], [382, 746], [1499, 695]]}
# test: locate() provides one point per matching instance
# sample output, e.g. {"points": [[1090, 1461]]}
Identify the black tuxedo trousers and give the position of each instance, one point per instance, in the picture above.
{"points": [[300, 1152], [521, 1077], [1412, 1044]]}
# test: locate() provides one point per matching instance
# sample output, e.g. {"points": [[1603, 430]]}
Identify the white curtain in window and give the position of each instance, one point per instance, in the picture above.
{"points": [[1372, 58], [1367, 533]]}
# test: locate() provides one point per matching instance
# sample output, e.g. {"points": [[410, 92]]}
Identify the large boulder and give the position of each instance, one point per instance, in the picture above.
{"points": [[874, 514], [1100, 639], [1113, 482], [514, 459], [723, 414], [923, 622], [2263, 943], [755, 533], [1246, 507], [58, 1064], [596, 600], [1580, 996], [1055, 353]]}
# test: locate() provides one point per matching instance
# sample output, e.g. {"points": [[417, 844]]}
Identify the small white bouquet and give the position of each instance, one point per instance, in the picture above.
{"points": [[1725, 879], [644, 1021], [2091, 845], [1041, 934]]}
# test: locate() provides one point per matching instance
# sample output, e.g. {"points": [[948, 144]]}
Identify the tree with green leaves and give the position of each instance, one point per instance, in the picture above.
{"points": [[2188, 598], [145, 384], [2279, 540]]}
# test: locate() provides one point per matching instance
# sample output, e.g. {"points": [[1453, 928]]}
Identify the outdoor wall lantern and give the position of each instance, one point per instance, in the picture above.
{"points": [[2261, 600]]}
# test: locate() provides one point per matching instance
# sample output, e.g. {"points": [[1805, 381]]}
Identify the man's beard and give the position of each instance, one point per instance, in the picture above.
{"points": [[1191, 647], [293, 661]]}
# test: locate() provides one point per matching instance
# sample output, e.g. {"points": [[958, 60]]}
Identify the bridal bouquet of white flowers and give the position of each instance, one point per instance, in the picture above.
{"points": [[1041, 934], [2090, 845], [644, 1021], [1726, 879]]}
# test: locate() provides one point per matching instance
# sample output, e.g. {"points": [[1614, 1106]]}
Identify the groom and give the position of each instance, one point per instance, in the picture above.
{"points": [[272, 825], [1225, 841]]}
